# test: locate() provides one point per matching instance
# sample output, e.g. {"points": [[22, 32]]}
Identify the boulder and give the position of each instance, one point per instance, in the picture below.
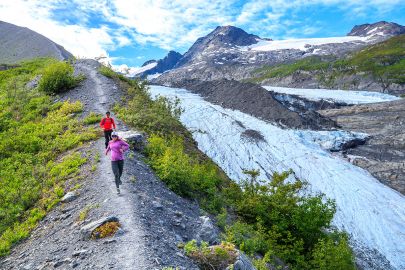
{"points": [[136, 139], [70, 196], [33, 83], [242, 263], [157, 205], [88, 229], [207, 231]]}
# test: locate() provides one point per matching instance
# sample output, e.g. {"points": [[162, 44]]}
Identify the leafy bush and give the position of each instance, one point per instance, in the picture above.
{"points": [[216, 257], [279, 222], [154, 117], [93, 118], [58, 77], [333, 252], [108, 72], [182, 173]]}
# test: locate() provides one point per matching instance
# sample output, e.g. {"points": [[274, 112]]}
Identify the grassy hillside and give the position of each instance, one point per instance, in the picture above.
{"points": [[383, 62], [37, 142], [263, 219]]}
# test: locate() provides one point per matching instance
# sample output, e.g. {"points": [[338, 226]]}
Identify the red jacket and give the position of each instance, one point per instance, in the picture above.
{"points": [[107, 123]]}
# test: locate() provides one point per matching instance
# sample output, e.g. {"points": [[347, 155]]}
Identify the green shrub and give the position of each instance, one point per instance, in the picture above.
{"points": [[155, 117], [215, 257], [92, 118], [333, 253], [183, 174], [108, 72], [58, 77], [278, 222]]}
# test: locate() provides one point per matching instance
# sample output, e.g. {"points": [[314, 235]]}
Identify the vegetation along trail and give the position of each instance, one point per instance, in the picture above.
{"points": [[145, 209]]}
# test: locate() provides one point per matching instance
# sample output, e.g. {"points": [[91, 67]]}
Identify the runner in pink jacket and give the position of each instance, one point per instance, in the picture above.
{"points": [[117, 148]]}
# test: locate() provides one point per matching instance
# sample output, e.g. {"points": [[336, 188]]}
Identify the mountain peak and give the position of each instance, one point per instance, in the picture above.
{"points": [[221, 37], [149, 62], [381, 28], [231, 35], [167, 63]]}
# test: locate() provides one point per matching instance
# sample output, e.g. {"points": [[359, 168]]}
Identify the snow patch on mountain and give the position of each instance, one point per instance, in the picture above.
{"points": [[341, 96], [299, 44], [372, 213], [153, 76], [133, 71]]}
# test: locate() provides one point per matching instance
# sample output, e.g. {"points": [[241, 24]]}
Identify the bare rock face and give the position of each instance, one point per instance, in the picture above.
{"points": [[207, 231], [383, 155], [136, 139], [20, 43], [243, 263]]}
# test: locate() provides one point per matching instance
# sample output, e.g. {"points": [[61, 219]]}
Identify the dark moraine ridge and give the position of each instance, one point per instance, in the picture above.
{"points": [[257, 101]]}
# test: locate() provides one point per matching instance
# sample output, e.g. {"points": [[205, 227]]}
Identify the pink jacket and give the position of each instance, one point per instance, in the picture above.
{"points": [[115, 148]]}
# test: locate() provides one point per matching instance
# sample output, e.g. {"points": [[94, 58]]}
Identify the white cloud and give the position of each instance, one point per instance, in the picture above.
{"points": [[36, 15], [170, 24]]}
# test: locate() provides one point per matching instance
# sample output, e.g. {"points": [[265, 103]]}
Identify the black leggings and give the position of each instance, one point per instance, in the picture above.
{"points": [[117, 168], [107, 136]]}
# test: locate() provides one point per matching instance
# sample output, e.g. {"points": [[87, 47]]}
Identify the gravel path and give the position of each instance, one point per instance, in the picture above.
{"points": [[154, 219]]}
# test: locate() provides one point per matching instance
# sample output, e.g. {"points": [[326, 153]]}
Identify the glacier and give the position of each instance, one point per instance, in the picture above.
{"points": [[341, 96], [372, 213]]}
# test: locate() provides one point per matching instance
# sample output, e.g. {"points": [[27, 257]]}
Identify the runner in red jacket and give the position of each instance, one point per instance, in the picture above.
{"points": [[107, 124]]}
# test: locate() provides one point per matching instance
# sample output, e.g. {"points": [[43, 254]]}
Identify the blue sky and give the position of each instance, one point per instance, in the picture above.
{"points": [[132, 32]]}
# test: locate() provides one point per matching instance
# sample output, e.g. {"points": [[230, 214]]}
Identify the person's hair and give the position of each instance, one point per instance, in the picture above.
{"points": [[107, 113]]}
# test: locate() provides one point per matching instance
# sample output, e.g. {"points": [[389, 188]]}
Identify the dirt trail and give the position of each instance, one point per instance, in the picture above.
{"points": [[153, 218], [131, 252]]}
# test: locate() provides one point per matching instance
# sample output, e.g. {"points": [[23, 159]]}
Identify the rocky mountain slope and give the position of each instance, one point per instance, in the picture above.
{"points": [[20, 43], [378, 67], [151, 67], [162, 65], [231, 53], [383, 155]]}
